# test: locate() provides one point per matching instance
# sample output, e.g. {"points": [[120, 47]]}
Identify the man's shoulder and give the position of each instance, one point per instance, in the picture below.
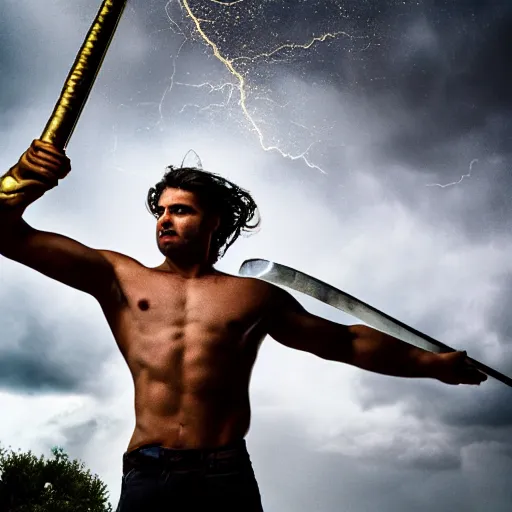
{"points": [[126, 268], [251, 285], [117, 258]]}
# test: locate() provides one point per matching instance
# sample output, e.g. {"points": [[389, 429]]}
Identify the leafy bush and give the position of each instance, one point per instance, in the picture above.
{"points": [[29, 484]]}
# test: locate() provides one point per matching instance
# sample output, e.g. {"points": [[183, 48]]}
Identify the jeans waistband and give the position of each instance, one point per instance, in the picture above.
{"points": [[151, 454]]}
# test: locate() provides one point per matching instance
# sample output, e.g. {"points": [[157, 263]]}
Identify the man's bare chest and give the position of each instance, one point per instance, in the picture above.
{"points": [[162, 306]]}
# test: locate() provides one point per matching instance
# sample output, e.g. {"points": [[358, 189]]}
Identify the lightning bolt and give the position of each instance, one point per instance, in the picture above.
{"points": [[239, 80], [293, 46], [468, 175]]}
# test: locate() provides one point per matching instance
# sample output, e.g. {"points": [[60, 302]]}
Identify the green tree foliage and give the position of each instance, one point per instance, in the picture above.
{"points": [[29, 484]]}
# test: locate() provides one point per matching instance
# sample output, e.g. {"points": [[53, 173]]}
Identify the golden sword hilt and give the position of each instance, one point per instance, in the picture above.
{"points": [[75, 93], [82, 76]]}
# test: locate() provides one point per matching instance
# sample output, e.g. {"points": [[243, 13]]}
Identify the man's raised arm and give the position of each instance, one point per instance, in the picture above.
{"points": [[56, 256], [362, 346]]}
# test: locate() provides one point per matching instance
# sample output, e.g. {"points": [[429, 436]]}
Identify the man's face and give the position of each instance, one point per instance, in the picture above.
{"points": [[182, 222]]}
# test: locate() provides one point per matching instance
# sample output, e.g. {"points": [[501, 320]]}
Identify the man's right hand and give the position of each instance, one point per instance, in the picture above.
{"points": [[38, 170]]}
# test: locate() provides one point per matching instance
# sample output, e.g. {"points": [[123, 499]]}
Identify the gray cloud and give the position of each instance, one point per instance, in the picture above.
{"points": [[39, 355], [329, 481]]}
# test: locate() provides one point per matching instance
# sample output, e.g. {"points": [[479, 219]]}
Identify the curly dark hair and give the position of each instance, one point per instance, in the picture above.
{"points": [[234, 205]]}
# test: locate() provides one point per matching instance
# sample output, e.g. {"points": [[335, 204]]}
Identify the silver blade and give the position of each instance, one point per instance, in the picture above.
{"points": [[286, 276]]}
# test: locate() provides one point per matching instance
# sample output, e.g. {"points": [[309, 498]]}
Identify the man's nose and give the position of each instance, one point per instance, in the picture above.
{"points": [[166, 223]]}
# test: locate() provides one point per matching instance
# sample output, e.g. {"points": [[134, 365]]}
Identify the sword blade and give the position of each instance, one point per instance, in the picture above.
{"points": [[285, 276]]}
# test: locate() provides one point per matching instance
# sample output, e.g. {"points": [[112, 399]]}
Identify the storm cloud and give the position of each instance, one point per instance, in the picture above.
{"points": [[391, 181]]}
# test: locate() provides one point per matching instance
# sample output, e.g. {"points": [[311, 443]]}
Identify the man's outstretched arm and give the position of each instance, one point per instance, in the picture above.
{"points": [[362, 346], [56, 256]]}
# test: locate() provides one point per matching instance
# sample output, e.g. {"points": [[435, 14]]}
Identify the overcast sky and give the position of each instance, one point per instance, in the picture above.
{"points": [[391, 180]]}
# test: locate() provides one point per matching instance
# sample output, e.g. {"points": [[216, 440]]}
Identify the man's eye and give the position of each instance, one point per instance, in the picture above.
{"points": [[180, 210]]}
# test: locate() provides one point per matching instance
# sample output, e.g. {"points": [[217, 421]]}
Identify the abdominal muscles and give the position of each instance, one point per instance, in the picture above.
{"points": [[191, 386]]}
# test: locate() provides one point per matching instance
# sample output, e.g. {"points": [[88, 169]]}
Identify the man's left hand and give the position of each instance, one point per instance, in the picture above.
{"points": [[455, 368]]}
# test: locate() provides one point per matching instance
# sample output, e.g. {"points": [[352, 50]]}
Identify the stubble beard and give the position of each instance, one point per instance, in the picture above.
{"points": [[179, 251]]}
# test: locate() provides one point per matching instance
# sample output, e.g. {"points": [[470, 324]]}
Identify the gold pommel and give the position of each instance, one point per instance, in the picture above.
{"points": [[13, 191], [8, 185]]}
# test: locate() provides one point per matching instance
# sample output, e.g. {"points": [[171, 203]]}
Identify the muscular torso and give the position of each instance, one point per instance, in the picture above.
{"points": [[190, 345]]}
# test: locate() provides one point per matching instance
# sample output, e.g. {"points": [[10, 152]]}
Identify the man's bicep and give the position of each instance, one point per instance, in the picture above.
{"points": [[293, 326], [63, 259]]}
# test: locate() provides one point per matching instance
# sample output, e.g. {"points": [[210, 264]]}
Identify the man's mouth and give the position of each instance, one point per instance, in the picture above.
{"points": [[166, 233]]}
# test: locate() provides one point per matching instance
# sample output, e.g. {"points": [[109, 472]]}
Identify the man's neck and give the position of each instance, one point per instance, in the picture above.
{"points": [[186, 269]]}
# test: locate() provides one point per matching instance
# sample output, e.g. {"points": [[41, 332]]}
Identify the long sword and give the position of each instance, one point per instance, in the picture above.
{"points": [[286, 276], [74, 94], [83, 74]]}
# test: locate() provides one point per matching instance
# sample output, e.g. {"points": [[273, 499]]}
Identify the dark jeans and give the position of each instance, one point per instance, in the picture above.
{"points": [[157, 479]]}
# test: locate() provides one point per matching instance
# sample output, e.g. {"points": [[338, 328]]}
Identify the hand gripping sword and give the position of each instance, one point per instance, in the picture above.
{"points": [[77, 87], [291, 278]]}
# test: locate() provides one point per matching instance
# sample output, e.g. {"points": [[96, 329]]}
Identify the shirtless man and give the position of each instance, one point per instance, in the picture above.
{"points": [[190, 334]]}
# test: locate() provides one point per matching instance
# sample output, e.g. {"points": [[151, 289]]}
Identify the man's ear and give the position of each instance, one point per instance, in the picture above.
{"points": [[216, 223]]}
